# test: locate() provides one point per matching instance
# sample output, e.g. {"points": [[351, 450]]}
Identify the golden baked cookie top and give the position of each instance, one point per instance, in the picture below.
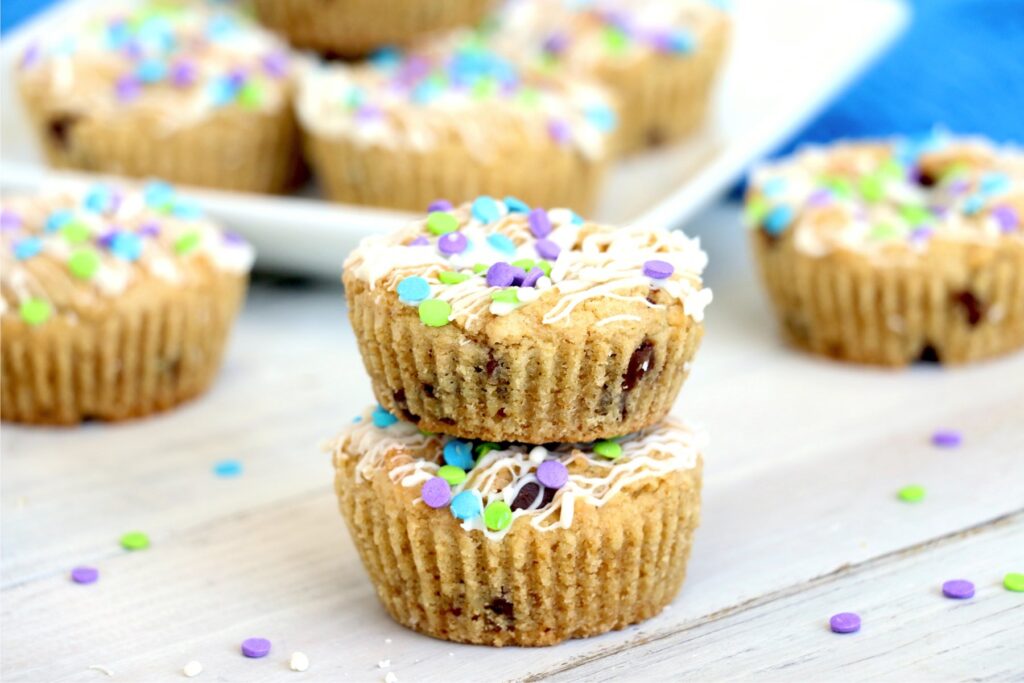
{"points": [[178, 60], [602, 34], [488, 486], [454, 93], [74, 252], [898, 198], [491, 258]]}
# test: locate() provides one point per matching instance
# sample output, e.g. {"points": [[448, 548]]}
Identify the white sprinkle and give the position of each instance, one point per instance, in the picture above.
{"points": [[543, 283], [101, 668], [384, 664], [299, 661], [193, 669], [387, 640], [527, 294], [451, 654], [537, 454], [391, 677]]}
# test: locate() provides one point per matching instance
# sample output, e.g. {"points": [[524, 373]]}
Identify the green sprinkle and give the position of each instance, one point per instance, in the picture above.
{"points": [[955, 171], [484, 448], [452, 474], [497, 515], [506, 296], [529, 97], [841, 187], [755, 211], [884, 231], [450, 277], [608, 449], [35, 311], [891, 170], [1014, 582], [84, 262], [251, 95], [545, 266], [75, 231], [441, 222], [873, 188], [615, 40], [354, 99], [480, 268], [484, 88], [525, 263], [135, 540], [434, 312], [186, 242], [911, 494], [915, 215], [424, 432]]}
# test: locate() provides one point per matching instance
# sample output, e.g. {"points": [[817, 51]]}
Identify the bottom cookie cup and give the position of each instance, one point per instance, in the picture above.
{"points": [[960, 302], [524, 546]]}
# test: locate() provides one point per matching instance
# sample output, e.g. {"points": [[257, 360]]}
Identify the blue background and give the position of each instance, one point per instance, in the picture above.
{"points": [[960, 64]]}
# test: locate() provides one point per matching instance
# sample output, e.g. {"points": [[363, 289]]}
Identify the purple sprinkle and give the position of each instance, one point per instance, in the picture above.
{"points": [[439, 205], [947, 438], [921, 234], [500, 274], [128, 88], [85, 575], [1006, 217], [106, 240], [183, 74], [658, 270], [436, 492], [420, 241], [452, 243], [958, 589], [552, 474], [368, 113], [255, 647], [531, 278], [275, 64], [518, 276], [9, 220], [556, 43], [844, 622], [232, 237], [133, 50], [959, 186], [540, 224], [30, 56], [547, 249], [559, 131], [150, 229], [236, 78], [822, 197]]}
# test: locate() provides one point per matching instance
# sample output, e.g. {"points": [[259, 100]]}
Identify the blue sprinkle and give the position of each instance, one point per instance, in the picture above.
{"points": [[466, 505], [357, 419], [27, 248], [516, 205], [485, 209], [425, 92], [680, 42], [222, 91], [386, 58], [773, 187], [502, 243], [220, 26], [602, 118], [228, 468], [127, 246], [994, 183], [973, 204], [186, 208], [98, 199], [151, 71], [382, 418], [576, 218], [56, 220], [459, 453], [158, 193], [413, 289], [778, 219]]}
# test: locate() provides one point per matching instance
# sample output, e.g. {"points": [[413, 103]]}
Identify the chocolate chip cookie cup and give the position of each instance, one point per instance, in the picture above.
{"points": [[896, 251], [116, 303], [190, 93], [519, 545], [355, 28], [499, 321]]}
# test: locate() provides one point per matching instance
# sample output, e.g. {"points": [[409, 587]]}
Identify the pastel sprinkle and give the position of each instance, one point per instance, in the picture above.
{"points": [[485, 209], [844, 622], [85, 575], [482, 449], [466, 505], [658, 270], [84, 262], [516, 205], [299, 662], [559, 131], [35, 311], [413, 289], [441, 222], [186, 242], [452, 243], [911, 494], [420, 241], [452, 474], [439, 205], [497, 515], [608, 449], [459, 454], [228, 468], [436, 492], [1014, 582], [547, 249], [126, 246], [9, 220], [507, 296], [27, 248], [777, 220], [1006, 217], [532, 277], [255, 648], [450, 277], [135, 540], [192, 669], [382, 419], [500, 274], [552, 474], [502, 243], [540, 224], [958, 589], [434, 312], [947, 438], [75, 231], [58, 219]]}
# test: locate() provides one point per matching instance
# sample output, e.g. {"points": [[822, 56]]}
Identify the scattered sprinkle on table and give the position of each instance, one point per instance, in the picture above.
{"points": [[947, 438], [85, 575], [844, 622], [384, 664], [228, 468], [192, 669], [391, 677], [911, 494], [958, 589], [1014, 582], [298, 662], [255, 647], [135, 540]]}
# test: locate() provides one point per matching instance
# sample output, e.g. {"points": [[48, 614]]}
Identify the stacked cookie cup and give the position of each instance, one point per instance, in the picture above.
{"points": [[519, 482]]}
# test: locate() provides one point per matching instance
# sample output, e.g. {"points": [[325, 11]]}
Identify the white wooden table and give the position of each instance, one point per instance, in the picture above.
{"points": [[801, 520]]}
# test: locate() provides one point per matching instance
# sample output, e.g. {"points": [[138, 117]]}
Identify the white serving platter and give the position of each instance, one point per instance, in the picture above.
{"points": [[788, 58]]}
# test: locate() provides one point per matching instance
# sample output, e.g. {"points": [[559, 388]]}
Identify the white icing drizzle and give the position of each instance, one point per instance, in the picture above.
{"points": [[411, 458]]}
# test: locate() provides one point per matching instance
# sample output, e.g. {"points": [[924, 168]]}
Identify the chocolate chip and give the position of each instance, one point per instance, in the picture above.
{"points": [[527, 494], [447, 420], [549, 495], [639, 363], [399, 396], [973, 308], [428, 389], [492, 364], [926, 179], [502, 606], [500, 414], [655, 137], [929, 355], [60, 128], [651, 296]]}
